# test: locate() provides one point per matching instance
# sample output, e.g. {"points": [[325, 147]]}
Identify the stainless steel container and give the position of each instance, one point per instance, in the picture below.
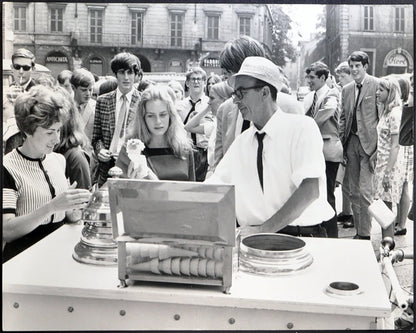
{"points": [[97, 245], [273, 254], [173, 232]]}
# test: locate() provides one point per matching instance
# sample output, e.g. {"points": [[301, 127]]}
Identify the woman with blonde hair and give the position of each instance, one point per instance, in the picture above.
{"points": [[167, 148], [387, 173], [177, 88]]}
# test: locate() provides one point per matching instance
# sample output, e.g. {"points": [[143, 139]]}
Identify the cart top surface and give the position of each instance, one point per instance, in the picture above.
{"points": [[47, 268]]}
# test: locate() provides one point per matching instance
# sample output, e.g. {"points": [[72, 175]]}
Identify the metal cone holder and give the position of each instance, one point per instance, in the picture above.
{"points": [[97, 245]]}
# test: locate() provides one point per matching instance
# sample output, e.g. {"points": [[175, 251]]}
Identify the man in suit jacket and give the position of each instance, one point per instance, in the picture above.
{"points": [[322, 105], [230, 122], [109, 111], [358, 122]]}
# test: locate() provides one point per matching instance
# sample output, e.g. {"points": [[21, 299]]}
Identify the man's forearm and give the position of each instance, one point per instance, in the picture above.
{"points": [[306, 193]]}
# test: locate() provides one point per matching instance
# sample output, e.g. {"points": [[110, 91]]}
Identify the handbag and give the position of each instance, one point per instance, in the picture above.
{"points": [[406, 135]]}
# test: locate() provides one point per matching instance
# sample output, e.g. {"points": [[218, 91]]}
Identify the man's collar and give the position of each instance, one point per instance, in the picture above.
{"points": [[128, 95], [268, 128], [322, 90], [362, 81], [199, 97]]}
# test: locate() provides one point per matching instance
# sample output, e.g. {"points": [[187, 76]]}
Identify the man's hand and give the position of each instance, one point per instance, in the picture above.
{"points": [[104, 155]]}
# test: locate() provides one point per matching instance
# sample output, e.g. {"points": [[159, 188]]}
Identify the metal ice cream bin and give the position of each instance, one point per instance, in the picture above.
{"points": [[175, 232]]}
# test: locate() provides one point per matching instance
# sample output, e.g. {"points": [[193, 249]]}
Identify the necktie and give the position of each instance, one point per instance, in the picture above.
{"points": [[246, 124], [354, 114], [260, 137], [193, 135], [311, 111], [120, 126], [123, 113]]}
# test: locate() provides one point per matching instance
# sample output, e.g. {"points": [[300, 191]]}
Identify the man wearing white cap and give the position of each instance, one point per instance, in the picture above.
{"points": [[277, 165]]}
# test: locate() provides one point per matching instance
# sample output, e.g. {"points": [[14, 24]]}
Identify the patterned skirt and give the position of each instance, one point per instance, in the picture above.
{"points": [[407, 160]]}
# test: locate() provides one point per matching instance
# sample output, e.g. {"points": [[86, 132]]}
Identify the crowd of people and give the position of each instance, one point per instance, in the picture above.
{"points": [[285, 158]]}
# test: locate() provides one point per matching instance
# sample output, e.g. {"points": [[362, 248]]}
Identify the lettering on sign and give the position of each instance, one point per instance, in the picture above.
{"points": [[57, 59], [211, 62], [96, 61], [397, 60]]}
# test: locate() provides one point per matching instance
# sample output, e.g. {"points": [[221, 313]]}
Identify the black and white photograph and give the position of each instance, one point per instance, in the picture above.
{"points": [[208, 166]]}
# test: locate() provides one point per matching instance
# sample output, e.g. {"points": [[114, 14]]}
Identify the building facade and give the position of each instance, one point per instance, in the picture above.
{"points": [[166, 37], [384, 32]]}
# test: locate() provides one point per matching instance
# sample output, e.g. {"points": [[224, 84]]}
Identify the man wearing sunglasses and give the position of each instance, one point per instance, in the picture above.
{"points": [[277, 165], [23, 63]]}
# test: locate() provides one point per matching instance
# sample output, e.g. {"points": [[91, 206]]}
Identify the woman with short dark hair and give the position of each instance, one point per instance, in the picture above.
{"points": [[36, 195]]}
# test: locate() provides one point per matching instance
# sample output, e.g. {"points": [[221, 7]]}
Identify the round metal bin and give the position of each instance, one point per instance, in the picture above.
{"points": [[273, 254]]}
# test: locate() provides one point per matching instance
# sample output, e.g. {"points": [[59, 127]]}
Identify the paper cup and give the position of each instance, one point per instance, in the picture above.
{"points": [[383, 215]]}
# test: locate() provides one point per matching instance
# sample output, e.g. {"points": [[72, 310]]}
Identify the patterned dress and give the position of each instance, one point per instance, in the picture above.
{"points": [[388, 125]]}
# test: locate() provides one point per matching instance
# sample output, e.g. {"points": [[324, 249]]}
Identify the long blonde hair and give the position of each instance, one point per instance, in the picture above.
{"points": [[394, 94], [176, 134]]}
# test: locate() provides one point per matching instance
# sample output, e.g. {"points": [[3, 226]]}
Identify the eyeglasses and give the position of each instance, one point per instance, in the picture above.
{"points": [[196, 79], [25, 67], [239, 92]]}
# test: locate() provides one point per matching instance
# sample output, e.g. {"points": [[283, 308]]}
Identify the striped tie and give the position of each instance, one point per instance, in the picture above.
{"points": [[311, 111]]}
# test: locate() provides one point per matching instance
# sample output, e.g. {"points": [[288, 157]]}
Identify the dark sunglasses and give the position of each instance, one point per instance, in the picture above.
{"points": [[25, 67]]}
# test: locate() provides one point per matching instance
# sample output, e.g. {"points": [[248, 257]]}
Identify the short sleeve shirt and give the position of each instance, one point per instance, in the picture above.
{"points": [[292, 152], [29, 183]]}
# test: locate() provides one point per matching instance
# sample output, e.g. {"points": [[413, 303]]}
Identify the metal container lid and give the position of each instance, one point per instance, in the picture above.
{"points": [[273, 254], [173, 210]]}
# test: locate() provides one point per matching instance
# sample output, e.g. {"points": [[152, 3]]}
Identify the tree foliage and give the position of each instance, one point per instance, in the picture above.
{"points": [[321, 23], [282, 49]]}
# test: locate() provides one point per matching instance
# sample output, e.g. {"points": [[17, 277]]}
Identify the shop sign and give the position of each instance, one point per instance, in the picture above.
{"points": [[96, 61], [175, 63], [211, 62], [397, 60], [57, 57]]}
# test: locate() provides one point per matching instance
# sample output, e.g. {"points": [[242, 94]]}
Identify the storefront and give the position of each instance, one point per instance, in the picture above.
{"points": [[57, 61], [398, 61], [211, 65], [96, 66]]}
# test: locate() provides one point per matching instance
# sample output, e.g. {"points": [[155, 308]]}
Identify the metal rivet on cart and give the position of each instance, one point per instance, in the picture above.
{"points": [[122, 312], [176, 317], [231, 321], [290, 325], [16, 305], [70, 309]]}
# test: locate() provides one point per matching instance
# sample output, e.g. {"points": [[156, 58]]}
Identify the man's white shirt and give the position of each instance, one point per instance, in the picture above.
{"points": [[292, 152]]}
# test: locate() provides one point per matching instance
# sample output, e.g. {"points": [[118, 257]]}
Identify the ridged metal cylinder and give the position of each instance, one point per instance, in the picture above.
{"points": [[273, 254], [97, 245]]}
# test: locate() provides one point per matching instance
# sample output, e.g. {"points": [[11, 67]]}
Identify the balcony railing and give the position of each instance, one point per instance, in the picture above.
{"points": [[125, 40]]}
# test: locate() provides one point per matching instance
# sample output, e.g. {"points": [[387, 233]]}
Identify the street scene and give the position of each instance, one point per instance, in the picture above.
{"points": [[234, 166]]}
